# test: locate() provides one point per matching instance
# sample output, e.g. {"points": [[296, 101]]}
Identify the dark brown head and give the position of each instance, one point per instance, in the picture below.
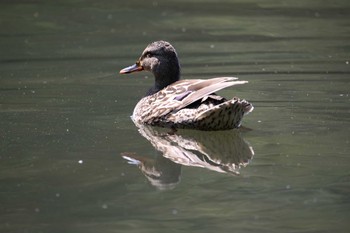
{"points": [[160, 58]]}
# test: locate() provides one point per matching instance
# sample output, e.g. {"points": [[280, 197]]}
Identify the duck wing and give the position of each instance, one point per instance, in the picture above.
{"points": [[181, 94], [202, 88]]}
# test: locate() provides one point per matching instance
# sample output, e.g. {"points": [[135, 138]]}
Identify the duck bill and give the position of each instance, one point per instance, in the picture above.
{"points": [[130, 69]]}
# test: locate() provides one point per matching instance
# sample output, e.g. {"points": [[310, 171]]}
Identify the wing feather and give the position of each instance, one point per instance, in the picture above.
{"points": [[199, 94], [175, 96]]}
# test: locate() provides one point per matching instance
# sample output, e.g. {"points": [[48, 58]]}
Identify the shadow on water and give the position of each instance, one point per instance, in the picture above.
{"points": [[219, 151]]}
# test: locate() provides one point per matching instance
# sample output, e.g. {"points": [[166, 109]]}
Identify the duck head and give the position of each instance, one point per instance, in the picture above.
{"points": [[160, 58]]}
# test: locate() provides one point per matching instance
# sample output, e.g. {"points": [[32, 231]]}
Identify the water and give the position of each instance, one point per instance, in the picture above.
{"points": [[65, 123]]}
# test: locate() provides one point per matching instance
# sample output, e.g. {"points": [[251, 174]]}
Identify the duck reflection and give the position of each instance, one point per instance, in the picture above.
{"points": [[220, 151]]}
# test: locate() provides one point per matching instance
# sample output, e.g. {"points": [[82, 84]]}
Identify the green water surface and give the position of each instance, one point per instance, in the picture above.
{"points": [[65, 117]]}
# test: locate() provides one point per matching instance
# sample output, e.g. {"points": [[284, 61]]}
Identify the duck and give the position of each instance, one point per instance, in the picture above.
{"points": [[184, 103]]}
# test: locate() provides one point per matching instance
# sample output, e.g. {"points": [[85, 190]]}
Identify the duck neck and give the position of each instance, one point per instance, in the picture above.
{"points": [[164, 79]]}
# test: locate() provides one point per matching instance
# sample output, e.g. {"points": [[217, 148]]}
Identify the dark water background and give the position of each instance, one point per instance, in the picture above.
{"points": [[64, 116]]}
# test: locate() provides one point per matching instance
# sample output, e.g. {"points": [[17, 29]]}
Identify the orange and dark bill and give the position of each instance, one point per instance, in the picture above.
{"points": [[134, 68]]}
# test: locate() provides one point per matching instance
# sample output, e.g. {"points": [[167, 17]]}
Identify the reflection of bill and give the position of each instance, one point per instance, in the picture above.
{"points": [[161, 172], [220, 151]]}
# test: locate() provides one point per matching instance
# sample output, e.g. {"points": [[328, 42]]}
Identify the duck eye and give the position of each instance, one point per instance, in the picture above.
{"points": [[148, 54]]}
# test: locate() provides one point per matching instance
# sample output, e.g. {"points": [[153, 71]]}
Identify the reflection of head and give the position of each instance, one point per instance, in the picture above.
{"points": [[161, 172]]}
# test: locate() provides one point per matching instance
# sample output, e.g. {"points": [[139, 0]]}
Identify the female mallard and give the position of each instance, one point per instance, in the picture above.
{"points": [[176, 103]]}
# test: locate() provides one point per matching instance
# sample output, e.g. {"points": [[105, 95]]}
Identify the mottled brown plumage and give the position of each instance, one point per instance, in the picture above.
{"points": [[185, 103]]}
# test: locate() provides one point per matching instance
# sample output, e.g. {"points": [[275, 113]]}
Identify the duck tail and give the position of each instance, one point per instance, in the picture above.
{"points": [[247, 107], [227, 115]]}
